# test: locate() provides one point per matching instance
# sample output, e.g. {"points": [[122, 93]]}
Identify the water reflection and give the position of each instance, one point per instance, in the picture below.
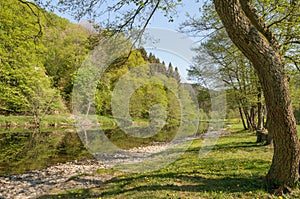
{"points": [[135, 151], [97, 139], [25, 150]]}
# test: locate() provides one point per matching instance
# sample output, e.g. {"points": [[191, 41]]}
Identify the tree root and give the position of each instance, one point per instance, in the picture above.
{"points": [[282, 190]]}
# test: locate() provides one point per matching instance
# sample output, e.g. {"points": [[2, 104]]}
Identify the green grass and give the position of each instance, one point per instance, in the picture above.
{"points": [[52, 120], [26, 121], [235, 168], [234, 126], [106, 121], [21, 120]]}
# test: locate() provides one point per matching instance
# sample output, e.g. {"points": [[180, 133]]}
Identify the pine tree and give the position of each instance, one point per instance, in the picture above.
{"points": [[170, 72], [176, 75]]}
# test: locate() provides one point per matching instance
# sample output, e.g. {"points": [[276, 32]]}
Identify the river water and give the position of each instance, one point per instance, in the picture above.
{"points": [[24, 150], [35, 162]]}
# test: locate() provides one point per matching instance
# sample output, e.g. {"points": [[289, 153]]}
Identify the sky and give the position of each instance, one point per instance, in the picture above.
{"points": [[176, 46], [172, 46]]}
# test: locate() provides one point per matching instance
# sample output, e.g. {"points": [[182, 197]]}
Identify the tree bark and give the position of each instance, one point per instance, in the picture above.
{"points": [[245, 110], [258, 45], [253, 114], [260, 120], [242, 118]]}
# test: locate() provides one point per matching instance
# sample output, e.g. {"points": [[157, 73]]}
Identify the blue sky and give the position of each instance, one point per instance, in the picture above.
{"points": [[171, 46], [183, 59], [180, 55], [188, 6]]}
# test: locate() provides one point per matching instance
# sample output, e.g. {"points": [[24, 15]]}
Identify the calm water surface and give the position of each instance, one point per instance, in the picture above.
{"points": [[23, 150]]}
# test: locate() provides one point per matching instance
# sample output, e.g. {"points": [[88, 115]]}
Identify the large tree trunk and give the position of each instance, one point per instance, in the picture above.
{"points": [[257, 43]]}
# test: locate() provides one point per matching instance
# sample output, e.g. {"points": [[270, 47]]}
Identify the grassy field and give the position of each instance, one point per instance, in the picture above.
{"points": [[235, 168]]}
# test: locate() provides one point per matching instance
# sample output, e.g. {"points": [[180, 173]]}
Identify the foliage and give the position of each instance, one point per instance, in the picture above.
{"points": [[219, 60], [295, 93], [67, 45], [28, 121], [122, 12], [161, 88], [232, 67], [257, 42], [283, 20], [110, 78], [38, 70], [25, 87]]}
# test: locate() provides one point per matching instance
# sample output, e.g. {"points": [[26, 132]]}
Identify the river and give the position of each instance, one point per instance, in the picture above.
{"points": [[35, 162], [24, 150]]}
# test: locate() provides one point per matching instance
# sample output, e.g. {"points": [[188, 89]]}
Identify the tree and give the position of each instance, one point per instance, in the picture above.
{"points": [[177, 75], [282, 42], [67, 45], [258, 44], [110, 78], [233, 68], [170, 71], [24, 86]]}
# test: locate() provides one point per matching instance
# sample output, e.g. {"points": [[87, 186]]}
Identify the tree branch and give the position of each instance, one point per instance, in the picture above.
{"points": [[132, 18], [282, 19], [29, 5], [144, 26], [294, 61], [291, 42], [251, 13]]}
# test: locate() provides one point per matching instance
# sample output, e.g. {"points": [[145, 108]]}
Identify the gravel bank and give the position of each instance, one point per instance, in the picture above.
{"points": [[65, 176], [70, 175], [77, 174]]}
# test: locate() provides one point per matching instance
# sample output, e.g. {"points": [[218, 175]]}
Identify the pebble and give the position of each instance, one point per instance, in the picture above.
{"points": [[58, 177], [71, 175]]}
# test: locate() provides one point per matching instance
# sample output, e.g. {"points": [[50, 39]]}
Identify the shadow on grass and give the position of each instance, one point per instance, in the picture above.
{"points": [[231, 146], [224, 185], [205, 176], [234, 145], [186, 182]]}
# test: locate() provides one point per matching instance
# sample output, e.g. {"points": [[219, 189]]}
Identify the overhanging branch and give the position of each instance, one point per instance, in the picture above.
{"points": [[31, 6]]}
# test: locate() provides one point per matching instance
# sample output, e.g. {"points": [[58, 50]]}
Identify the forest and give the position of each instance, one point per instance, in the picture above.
{"points": [[41, 60], [251, 47]]}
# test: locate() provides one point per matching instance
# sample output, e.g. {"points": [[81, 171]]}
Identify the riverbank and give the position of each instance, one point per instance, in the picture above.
{"points": [[234, 168], [71, 175], [64, 120], [235, 154], [82, 174]]}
